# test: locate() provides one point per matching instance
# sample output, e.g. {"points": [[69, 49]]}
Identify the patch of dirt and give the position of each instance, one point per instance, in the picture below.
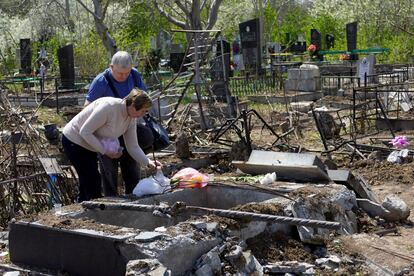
{"points": [[61, 222], [380, 173], [261, 208], [277, 247]]}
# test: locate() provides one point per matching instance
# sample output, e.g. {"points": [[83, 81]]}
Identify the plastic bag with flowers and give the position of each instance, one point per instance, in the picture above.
{"points": [[189, 178], [399, 155]]}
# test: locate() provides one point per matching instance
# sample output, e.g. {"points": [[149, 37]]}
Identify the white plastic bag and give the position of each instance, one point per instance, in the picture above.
{"points": [[269, 178], [111, 145], [153, 185], [397, 156]]}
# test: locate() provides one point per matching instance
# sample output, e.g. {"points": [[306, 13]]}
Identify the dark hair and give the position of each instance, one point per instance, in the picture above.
{"points": [[139, 99]]}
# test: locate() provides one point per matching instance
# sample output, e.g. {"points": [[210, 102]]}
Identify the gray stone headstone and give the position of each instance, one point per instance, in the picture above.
{"points": [[366, 66]]}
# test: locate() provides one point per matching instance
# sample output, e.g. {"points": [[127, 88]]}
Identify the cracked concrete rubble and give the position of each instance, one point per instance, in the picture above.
{"points": [[204, 247]]}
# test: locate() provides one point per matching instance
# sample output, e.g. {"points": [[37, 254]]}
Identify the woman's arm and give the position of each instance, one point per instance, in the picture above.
{"points": [[131, 143], [96, 119]]}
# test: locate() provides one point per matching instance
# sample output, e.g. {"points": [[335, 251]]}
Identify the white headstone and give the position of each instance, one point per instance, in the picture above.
{"points": [[366, 66]]}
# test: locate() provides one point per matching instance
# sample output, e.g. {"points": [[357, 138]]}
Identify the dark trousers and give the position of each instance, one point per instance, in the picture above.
{"points": [[86, 166], [129, 167]]}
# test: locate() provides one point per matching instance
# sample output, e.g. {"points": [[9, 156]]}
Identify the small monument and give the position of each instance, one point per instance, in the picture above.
{"points": [[250, 42], [25, 56], [66, 67], [351, 38], [177, 53], [366, 67]]}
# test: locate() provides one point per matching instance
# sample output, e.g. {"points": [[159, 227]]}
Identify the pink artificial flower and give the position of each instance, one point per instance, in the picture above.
{"points": [[312, 48], [400, 142]]}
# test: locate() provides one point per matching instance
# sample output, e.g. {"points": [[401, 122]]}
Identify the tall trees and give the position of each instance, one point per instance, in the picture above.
{"points": [[190, 14], [100, 8]]}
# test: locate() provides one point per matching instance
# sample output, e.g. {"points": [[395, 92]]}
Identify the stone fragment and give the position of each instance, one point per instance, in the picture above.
{"points": [[398, 209], [148, 236]]}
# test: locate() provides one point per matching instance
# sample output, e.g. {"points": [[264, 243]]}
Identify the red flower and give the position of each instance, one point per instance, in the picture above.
{"points": [[312, 48]]}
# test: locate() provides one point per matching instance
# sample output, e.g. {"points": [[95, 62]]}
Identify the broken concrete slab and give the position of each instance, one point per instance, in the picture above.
{"points": [[398, 209], [373, 209], [285, 172], [334, 203], [287, 267], [63, 250], [285, 158], [354, 182], [146, 266], [87, 253], [392, 208], [288, 166]]}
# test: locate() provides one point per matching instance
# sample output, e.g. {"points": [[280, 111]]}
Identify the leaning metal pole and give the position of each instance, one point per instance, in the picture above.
{"points": [[219, 212]]}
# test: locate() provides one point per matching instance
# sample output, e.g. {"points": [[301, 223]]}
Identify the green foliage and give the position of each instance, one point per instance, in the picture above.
{"points": [[7, 62], [90, 55], [295, 21], [142, 23], [152, 62]]}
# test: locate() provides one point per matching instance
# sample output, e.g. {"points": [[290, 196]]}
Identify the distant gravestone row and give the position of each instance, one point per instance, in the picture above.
{"points": [[65, 60]]}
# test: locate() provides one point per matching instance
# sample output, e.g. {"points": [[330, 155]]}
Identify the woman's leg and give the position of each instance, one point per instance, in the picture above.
{"points": [[85, 163]]}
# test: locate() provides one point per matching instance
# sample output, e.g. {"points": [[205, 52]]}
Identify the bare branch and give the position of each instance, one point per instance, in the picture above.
{"points": [[214, 13], [203, 4], [168, 16], [183, 8], [400, 28], [105, 8], [88, 10]]}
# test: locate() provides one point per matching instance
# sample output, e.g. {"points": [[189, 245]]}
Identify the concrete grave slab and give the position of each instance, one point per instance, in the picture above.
{"points": [[300, 167], [353, 182]]}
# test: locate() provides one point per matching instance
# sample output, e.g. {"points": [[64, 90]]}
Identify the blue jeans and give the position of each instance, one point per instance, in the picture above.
{"points": [[86, 166]]}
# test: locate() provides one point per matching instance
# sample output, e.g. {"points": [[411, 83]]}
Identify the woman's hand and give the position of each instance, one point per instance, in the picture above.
{"points": [[154, 164], [114, 155]]}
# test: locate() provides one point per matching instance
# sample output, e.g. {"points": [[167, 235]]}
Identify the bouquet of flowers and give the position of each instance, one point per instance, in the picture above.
{"points": [[312, 49], [189, 178], [400, 142], [344, 56]]}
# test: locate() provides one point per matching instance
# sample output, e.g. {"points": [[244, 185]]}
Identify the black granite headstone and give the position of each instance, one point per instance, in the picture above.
{"points": [[298, 47], [25, 56], [175, 61], [66, 67], [351, 38], [177, 54], [316, 39], [251, 48]]}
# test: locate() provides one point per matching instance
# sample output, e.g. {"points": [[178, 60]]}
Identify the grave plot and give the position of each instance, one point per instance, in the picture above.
{"points": [[109, 235]]}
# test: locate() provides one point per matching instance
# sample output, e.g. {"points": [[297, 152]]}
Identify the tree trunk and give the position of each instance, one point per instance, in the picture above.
{"points": [[102, 30]]}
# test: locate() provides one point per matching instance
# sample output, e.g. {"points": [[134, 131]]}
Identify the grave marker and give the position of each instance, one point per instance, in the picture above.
{"points": [[351, 38], [250, 42], [66, 66], [25, 56]]}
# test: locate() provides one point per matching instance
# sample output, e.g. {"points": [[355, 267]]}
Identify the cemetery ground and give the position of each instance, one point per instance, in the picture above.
{"points": [[379, 247]]}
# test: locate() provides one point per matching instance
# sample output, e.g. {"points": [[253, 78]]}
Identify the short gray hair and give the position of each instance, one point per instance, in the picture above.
{"points": [[122, 58]]}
